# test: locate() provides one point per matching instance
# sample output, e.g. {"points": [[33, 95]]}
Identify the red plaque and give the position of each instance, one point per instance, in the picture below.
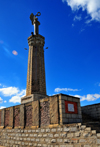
{"points": [[71, 107]]}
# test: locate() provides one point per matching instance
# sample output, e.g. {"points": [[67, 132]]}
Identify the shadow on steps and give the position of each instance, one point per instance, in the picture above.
{"points": [[90, 122]]}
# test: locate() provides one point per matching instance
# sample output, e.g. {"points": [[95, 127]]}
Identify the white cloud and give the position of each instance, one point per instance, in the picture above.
{"points": [[2, 107], [91, 6], [77, 18], [9, 91], [89, 97], [65, 89], [5, 101], [77, 96], [73, 25], [14, 92], [88, 21], [17, 97], [1, 100]]}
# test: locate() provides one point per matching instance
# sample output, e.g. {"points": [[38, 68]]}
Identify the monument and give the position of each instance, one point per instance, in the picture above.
{"points": [[42, 120], [36, 85]]}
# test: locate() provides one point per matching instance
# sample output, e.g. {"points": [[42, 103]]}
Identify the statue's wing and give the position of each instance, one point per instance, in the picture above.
{"points": [[32, 17]]}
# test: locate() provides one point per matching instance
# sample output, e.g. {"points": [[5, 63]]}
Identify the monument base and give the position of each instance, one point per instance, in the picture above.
{"points": [[32, 97]]}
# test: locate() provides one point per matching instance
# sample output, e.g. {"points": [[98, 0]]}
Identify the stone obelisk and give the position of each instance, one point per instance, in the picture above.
{"points": [[36, 85]]}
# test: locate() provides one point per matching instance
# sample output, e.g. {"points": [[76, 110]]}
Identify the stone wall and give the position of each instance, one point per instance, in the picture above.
{"points": [[72, 135], [36, 113], [50, 110], [67, 116], [22, 125], [92, 110]]}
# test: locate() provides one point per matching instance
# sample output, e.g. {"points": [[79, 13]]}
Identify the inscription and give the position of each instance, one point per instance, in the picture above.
{"points": [[71, 107]]}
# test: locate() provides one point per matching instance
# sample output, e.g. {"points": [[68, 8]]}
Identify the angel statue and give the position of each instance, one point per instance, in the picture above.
{"points": [[35, 22]]}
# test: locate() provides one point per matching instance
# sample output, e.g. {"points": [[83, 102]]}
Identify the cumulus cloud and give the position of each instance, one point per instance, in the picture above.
{"points": [[2, 107], [14, 92], [65, 89], [16, 98], [14, 52], [89, 97], [9, 91], [91, 6]]}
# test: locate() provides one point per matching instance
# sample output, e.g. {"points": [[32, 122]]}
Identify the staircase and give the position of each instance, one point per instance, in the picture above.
{"points": [[90, 122]]}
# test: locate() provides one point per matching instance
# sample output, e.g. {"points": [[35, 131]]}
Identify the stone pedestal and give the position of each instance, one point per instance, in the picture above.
{"points": [[32, 97]]}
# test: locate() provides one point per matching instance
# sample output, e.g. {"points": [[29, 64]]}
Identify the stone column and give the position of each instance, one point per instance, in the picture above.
{"points": [[22, 115], [54, 118], [35, 114], [11, 117]]}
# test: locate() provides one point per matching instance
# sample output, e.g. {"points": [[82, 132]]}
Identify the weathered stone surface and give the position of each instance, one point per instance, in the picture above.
{"points": [[44, 112], [28, 115], [35, 113], [2, 117], [11, 117], [53, 110], [98, 141], [36, 69], [16, 116], [70, 135], [98, 135], [6, 117], [22, 115]]}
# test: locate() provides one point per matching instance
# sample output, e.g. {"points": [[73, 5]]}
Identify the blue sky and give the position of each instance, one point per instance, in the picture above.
{"points": [[72, 34]]}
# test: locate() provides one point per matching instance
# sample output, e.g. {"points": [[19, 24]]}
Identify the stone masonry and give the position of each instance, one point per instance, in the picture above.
{"points": [[72, 135], [92, 110], [36, 70], [43, 112]]}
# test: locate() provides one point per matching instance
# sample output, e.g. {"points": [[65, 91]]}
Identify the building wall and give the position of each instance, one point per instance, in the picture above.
{"points": [[69, 117], [92, 110], [72, 135]]}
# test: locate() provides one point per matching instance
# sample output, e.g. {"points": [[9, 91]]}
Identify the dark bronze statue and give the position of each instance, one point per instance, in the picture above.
{"points": [[35, 22]]}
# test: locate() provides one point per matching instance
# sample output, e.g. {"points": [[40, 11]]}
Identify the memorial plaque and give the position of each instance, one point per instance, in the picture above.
{"points": [[71, 107]]}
